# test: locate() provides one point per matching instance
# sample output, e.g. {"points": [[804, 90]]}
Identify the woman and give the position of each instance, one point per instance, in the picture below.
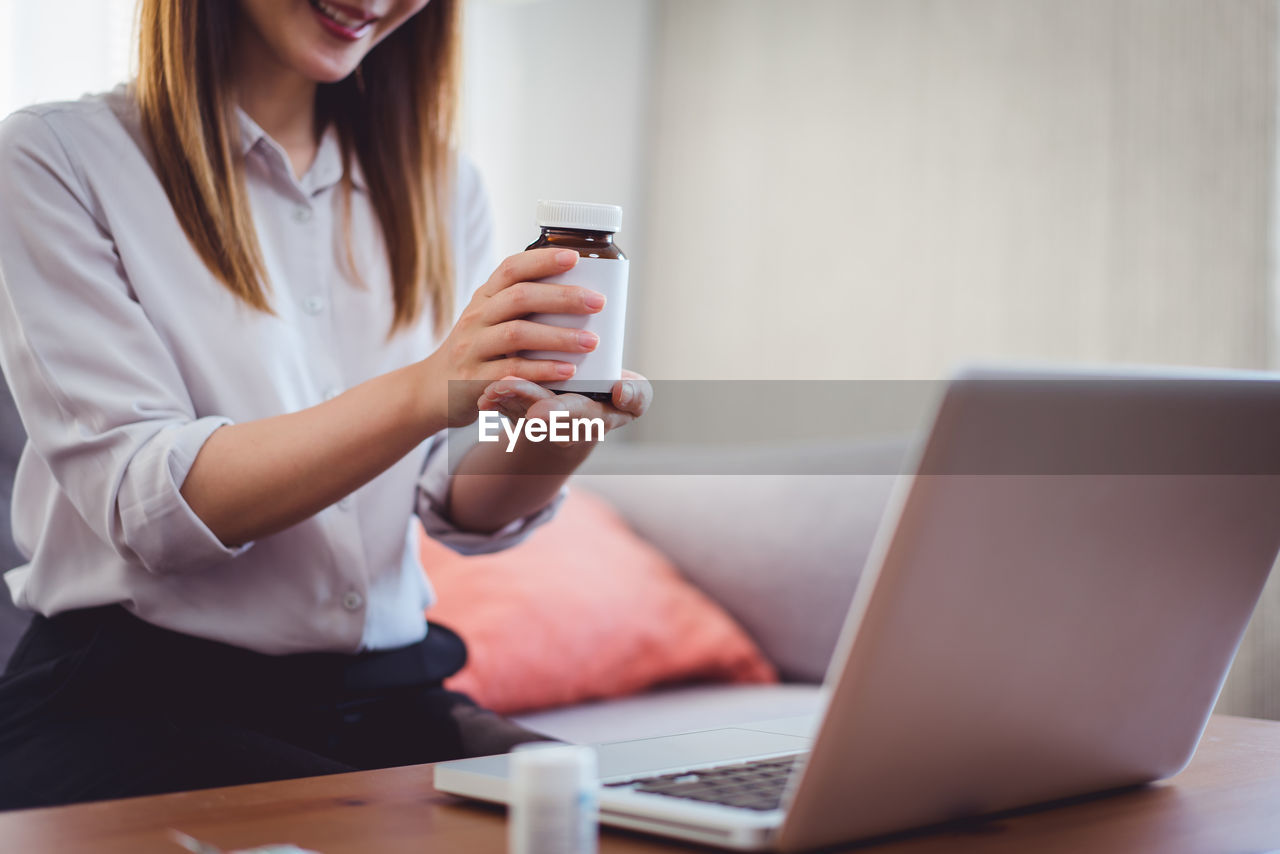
{"points": [[226, 312]]}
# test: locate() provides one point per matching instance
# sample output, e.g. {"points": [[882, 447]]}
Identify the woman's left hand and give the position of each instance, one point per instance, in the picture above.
{"points": [[518, 398]]}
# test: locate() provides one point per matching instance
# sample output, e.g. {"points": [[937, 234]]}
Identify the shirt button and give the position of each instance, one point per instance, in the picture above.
{"points": [[302, 214], [344, 503], [352, 601], [313, 305], [331, 392]]}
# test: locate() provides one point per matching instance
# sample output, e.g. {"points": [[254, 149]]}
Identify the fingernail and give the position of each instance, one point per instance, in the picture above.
{"points": [[565, 257], [564, 369], [588, 340], [593, 300], [628, 391]]}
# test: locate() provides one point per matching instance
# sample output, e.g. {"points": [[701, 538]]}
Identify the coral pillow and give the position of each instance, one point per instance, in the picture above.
{"points": [[582, 610]]}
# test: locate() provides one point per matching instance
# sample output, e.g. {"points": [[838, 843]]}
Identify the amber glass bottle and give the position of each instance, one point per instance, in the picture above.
{"points": [[588, 229]]}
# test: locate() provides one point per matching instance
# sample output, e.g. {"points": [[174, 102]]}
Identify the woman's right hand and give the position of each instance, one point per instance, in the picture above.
{"points": [[493, 328]]}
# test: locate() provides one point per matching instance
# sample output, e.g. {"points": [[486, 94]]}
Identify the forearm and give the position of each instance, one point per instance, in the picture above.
{"points": [[259, 477], [491, 488], [253, 479]]}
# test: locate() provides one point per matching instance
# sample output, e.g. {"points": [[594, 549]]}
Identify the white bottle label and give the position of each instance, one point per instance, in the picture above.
{"points": [[540, 825], [601, 368]]}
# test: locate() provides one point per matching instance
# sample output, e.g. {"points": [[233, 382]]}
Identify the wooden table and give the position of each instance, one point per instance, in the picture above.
{"points": [[1228, 800]]}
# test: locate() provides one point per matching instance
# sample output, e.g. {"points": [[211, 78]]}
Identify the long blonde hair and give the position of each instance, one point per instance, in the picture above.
{"points": [[396, 116]]}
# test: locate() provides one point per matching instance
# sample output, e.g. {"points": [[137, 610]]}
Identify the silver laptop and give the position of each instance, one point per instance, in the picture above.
{"points": [[1050, 609]]}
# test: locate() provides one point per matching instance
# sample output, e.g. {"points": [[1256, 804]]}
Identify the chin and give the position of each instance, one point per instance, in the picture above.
{"points": [[330, 73], [324, 67]]}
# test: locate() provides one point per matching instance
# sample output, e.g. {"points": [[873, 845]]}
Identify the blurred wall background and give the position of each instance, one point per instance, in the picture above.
{"points": [[861, 188], [52, 50], [927, 180]]}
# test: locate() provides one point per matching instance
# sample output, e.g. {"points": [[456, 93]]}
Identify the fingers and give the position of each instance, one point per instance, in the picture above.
{"points": [[513, 396], [523, 298], [516, 335], [514, 390], [526, 266], [536, 370], [581, 407], [632, 393], [516, 396], [631, 398]]}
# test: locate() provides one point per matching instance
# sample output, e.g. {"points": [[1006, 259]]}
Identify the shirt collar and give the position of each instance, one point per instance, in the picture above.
{"points": [[327, 168], [251, 133]]}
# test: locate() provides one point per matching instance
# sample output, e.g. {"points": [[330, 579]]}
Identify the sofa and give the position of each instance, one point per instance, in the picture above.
{"points": [[781, 552], [776, 541]]}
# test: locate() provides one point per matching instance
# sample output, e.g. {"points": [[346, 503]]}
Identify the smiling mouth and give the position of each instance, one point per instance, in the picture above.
{"points": [[342, 21]]}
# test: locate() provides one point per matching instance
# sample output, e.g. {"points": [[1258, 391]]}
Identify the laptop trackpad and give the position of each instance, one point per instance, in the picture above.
{"points": [[670, 752]]}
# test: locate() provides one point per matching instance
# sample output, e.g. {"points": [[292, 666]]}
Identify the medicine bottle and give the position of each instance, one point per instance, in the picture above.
{"points": [[588, 229], [553, 799]]}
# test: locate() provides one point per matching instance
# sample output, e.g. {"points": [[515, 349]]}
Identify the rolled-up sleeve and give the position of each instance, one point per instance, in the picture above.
{"points": [[433, 495], [101, 396]]}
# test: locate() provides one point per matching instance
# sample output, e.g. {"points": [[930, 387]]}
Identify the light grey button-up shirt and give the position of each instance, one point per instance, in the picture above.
{"points": [[124, 354]]}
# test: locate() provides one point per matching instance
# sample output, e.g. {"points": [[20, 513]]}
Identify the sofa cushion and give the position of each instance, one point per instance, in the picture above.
{"points": [[781, 552], [672, 710], [581, 610]]}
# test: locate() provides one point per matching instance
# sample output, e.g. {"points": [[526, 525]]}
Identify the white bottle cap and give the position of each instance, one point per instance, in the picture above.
{"points": [[553, 770], [584, 215]]}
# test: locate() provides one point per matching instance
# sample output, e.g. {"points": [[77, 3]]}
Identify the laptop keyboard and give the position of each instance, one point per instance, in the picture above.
{"points": [[756, 785]]}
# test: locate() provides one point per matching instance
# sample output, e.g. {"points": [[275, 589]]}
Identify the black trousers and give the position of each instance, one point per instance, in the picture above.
{"points": [[99, 704]]}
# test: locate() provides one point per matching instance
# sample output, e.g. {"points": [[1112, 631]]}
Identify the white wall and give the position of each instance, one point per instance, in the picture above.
{"points": [[862, 188], [556, 100], [54, 50]]}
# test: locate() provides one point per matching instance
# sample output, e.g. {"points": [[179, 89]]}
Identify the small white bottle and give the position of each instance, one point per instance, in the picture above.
{"points": [[588, 229], [553, 800]]}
